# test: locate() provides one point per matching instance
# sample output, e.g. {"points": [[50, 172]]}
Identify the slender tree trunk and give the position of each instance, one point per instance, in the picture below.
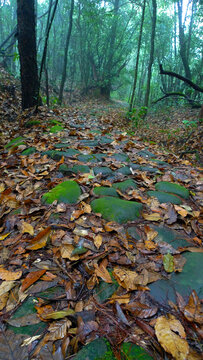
{"points": [[138, 56], [106, 89], [182, 41], [151, 58], [64, 73], [28, 53]]}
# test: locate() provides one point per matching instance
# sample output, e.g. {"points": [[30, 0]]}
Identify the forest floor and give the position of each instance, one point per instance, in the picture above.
{"points": [[100, 234]]}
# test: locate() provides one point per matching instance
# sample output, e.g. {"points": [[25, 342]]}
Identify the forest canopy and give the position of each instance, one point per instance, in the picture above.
{"points": [[111, 45]]}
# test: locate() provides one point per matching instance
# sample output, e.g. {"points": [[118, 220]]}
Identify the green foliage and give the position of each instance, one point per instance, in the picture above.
{"points": [[190, 124], [136, 116]]}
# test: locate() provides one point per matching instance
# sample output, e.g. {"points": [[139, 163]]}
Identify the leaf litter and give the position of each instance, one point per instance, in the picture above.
{"points": [[69, 277]]}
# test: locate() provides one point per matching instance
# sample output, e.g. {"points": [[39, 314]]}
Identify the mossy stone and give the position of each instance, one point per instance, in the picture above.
{"points": [[104, 170], [15, 142], [164, 197], [65, 169], [184, 282], [29, 151], [57, 155], [98, 349], [80, 169], [130, 351], [170, 236], [87, 158], [125, 185], [173, 188], [105, 191], [125, 170], [113, 209], [67, 192], [145, 154], [56, 128], [121, 157], [32, 123]]}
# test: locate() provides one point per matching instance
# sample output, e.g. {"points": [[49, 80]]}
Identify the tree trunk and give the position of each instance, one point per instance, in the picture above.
{"points": [[28, 53], [105, 90], [138, 56], [63, 79], [182, 41], [151, 58]]}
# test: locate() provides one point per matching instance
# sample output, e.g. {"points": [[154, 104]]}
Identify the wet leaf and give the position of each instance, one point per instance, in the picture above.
{"points": [[168, 262], [172, 337], [31, 278], [40, 240], [10, 275]]}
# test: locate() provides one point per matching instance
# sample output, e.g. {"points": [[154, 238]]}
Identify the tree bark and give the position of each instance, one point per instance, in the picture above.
{"points": [[28, 53], [64, 73], [183, 42], [138, 56], [151, 58]]}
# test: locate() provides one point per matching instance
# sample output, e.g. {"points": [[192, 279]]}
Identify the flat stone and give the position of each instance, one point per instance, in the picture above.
{"points": [[104, 170], [173, 188], [125, 170], [184, 282], [67, 192], [105, 191], [125, 185], [87, 158], [113, 209], [164, 197]]}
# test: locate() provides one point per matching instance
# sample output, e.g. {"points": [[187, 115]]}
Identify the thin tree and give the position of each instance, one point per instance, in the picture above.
{"points": [[64, 73], [28, 53], [151, 57], [138, 56]]}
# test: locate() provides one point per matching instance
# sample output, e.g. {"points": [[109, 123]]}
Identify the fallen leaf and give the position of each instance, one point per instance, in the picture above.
{"points": [[2, 237], [58, 314], [193, 310], [27, 228], [98, 241], [57, 330], [151, 217], [10, 275], [31, 278], [171, 335], [66, 252], [168, 262], [40, 240]]}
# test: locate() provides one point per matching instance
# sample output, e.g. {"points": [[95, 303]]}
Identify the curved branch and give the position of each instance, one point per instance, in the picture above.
{"points": [[180, 77]]}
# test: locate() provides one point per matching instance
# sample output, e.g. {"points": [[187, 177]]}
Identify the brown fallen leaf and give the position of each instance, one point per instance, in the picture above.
{"points": [[40, 240], [98, 241], [9, 275], [66, 252], [57, 330], [193, 311], [31, 278], [152, 217], [103, 273], [171, 335]]}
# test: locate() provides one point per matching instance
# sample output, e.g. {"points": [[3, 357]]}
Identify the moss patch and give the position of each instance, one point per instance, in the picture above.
{"points": [[173, 188], [125, 185], [164, 197], [105, 191], [113, 209], [67, 192]]}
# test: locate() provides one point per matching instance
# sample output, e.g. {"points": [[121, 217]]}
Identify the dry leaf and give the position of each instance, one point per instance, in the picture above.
{"points": [[102, 272], [10, 275], [40, 240], [27, 228], [31, 278], [66, 252], [151, 217], [98, 241], [171, 335]]}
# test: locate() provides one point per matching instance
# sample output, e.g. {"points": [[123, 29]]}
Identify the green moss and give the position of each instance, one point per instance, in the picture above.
{"points": [[98, 349], [125, 185], [173, 188], [113, 209], [164, 197], [29, 151], [130, 351], [32, 123], [15, 142], [67, 192], [105, 191]]}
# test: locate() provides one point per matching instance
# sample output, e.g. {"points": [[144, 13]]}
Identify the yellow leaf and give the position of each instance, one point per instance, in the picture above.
{"points": [[10, 275], [171, 335], [98, 241], [66, 252], [128, 279], [103, 273], [152, 217], [181, 211], [58, 314], [6, 286], [2, 187], [58, 329], [27, 228], [2, 237]]}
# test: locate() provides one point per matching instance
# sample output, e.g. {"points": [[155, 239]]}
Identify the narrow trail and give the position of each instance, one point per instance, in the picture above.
{"points": [[99, 231]]}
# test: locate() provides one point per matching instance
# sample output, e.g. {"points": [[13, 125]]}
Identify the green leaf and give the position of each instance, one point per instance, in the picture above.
{"points": [[168, 262]]}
